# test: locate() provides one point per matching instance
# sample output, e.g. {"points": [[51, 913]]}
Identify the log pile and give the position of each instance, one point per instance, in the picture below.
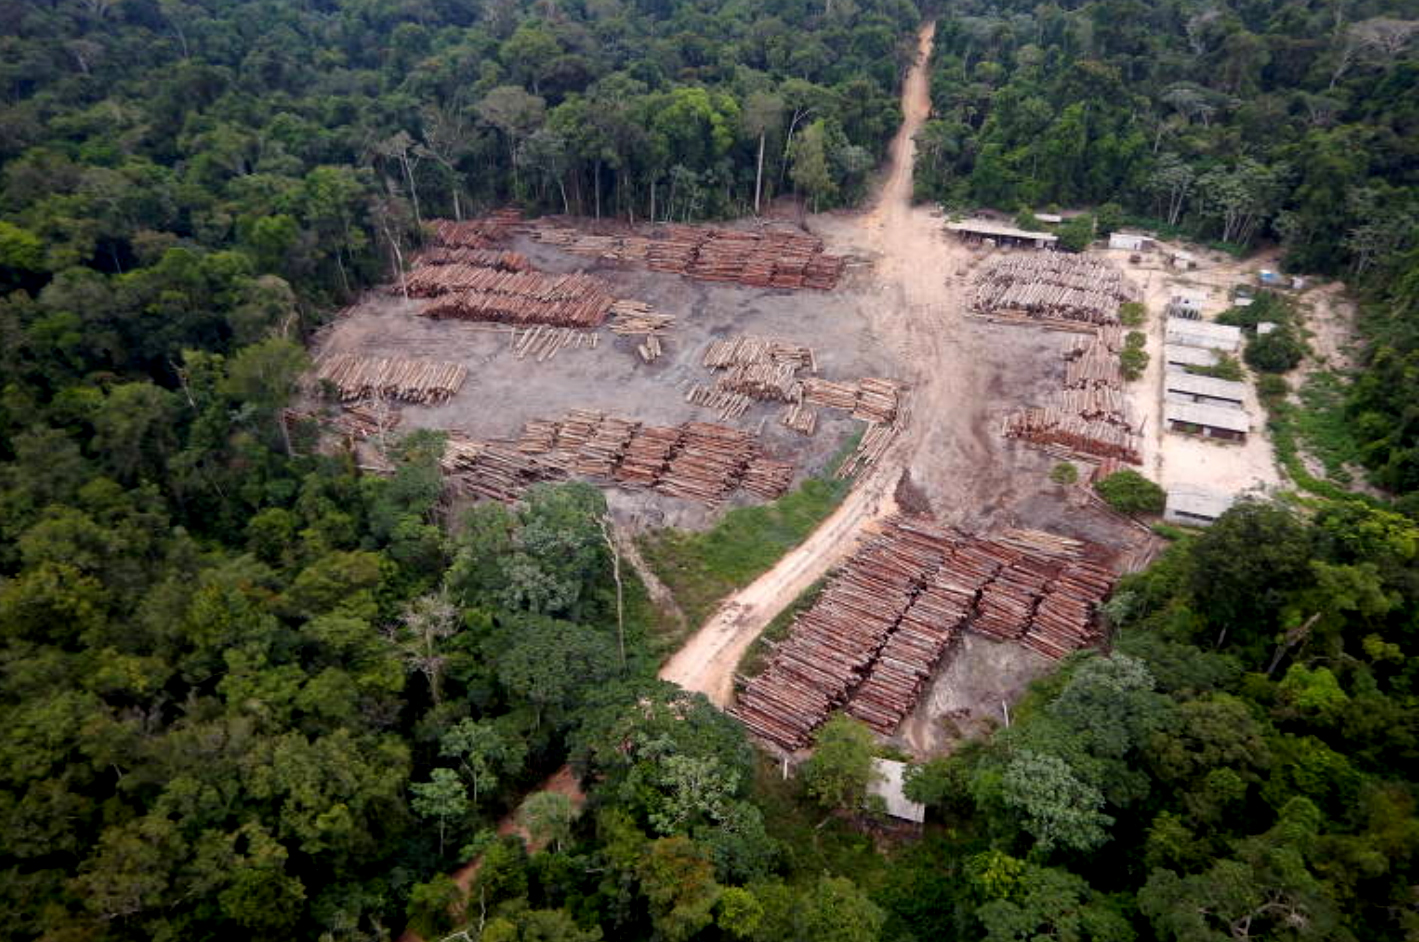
{"points": [[870, 398], [1053, 286], [766, 477], [484, 233], [698, 460], [709, 463], [357, 421], [1091, 437], [747, 350], [765, 258], [542, 343], [831, 646], [419, 381], [481, 258], [799, 417], [1090, 415], [1064, 620], [727, 403], [875, 441], [487, 294], [888, 617], [630, 318], [494, 470]]}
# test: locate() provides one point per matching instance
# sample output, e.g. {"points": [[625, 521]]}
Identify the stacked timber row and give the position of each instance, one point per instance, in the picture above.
{"points": [[766, 258], [697, 460], [480, 258], [494, 470], [1090, 414], [890, 615], [1053, 286], [483, 233], [487, 294], [871, 399], [754, 368], [419, 381]]}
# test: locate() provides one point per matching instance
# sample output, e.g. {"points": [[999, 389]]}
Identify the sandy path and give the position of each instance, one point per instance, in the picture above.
{"points": [[911, 262]]}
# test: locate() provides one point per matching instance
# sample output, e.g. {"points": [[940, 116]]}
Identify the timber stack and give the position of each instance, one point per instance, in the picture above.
{"points": [[494, 470], [479, 258], [1090, 415], [871, 399], [542, 343], [1053, 286], [761, 258], [698, 461], [425, 382], [486, 232], [467, 292], [891, 614]]}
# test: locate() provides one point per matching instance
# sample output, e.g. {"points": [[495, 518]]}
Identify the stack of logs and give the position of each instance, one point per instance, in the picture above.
{"points": [[494, 470], [542, 343], [871, 399], [1053, 286], [482, 258], [484, 233], [753, 368], [1089, 416], [871, 641], [486, 294], [419, 381], [355, 421], [698, 460], [767, 258]]}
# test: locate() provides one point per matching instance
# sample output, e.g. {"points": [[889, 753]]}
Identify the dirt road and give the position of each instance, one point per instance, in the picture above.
{"points": [[919, 307]]}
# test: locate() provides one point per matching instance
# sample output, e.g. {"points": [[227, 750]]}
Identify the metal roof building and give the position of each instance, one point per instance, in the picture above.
{"points": [[1212, 421], [989, 229], [1178, 357], [888, 784], [1204, 334], [1195, 506], [1207, 390], [1129, 241]]}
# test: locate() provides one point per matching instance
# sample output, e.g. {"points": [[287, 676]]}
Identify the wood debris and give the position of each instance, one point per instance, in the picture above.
{"points": [[894, 610], [418, 381], [1053, 286]]}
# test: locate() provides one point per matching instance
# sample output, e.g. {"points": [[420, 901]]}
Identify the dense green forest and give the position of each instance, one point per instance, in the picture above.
{"points": [[250, 692], [1230, 123]]}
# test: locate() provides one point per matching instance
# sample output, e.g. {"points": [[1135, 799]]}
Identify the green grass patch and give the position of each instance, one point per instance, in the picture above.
{"points": [[753, 660], [1324, 428], [702, 568]]}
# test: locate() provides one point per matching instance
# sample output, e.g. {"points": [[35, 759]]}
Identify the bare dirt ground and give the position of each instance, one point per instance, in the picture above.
{"points": [[970, 695], [1169, 458], [965, 375]]}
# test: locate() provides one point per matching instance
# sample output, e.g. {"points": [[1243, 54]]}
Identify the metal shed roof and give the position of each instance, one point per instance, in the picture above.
{"points": [[889, 786], [1206, 386], [1233, 420], [1189, 356], [1204, 334], [1198, 502], [988, 227]]}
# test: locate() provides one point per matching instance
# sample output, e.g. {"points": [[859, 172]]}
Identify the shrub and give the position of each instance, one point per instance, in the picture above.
{"points": [[1226, 367], [1132, 313], [1276, 352], [1136, 340], [1131, 493], [1064, 473], [1272, 389], [1075, 234], [1132, 362]]}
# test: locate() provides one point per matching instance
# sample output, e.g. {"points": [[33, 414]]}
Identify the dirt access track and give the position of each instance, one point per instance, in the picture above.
{"points": [[899, 312], [965, 374]]}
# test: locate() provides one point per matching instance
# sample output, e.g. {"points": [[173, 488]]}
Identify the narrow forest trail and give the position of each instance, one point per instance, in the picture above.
{"points": [[911, 262]]}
